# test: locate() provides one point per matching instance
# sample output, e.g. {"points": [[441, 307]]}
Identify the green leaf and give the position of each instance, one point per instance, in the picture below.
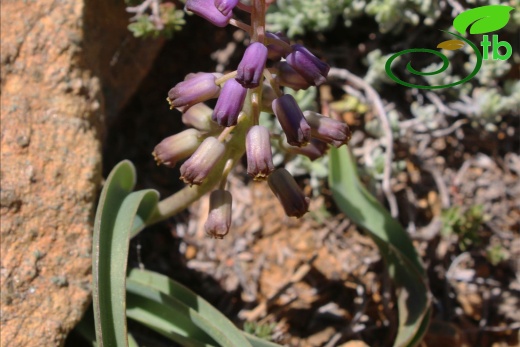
{"points": [[115, 216], [183, 302], [483, 19], [403, 262]]}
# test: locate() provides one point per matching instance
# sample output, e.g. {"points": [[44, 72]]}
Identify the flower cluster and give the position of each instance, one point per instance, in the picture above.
{"points": [[219, 137]]}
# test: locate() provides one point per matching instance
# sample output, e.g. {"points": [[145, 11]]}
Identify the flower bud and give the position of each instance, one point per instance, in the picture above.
{"points": [[200, 164], [207, 10], [314, 150], [313, 70], [288, 77], [259, 155], [283, 185], [327, 129], [268, 96], [251, 67], [195, 88], [199, 117], [229, 104], [291, 119], [225, 6], [219, 218], [275, 51], [177, 147]]}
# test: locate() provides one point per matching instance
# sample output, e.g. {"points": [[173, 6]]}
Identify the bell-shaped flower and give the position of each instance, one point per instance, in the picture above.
{"points": [[177, 147], [327, 129], [219, 218], [207, 10], [229, 103], [251, 68], [288, 77], [314, 150], [291, 119], [199, 165], [195, 88], [283, 185], [308, 65], [259, 155], [275, 50], [199, 117], [225, 6]]}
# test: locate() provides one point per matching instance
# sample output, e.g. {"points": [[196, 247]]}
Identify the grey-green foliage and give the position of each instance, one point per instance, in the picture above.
{"points": [[170, 20], [264, 331], [487, 106], [299, 16], [393, 14], [376, 74], [465, 224]]}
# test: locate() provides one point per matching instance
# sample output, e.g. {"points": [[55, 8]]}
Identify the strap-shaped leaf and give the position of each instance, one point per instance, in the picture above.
{"points": [[402, 260], [203, 315], [482, 19], [115, 216]]}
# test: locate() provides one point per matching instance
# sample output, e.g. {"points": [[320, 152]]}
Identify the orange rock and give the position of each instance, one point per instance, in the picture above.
{"points": [[56, 57]]}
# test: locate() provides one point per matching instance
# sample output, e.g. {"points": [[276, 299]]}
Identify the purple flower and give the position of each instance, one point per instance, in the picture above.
{"points": [[229, 104], [219, 218], [200, 164], [275, 51], [308, 65], [225, 6], [291, 119], [251, 67], [259, 155], [177, 147], [283, 185], [195, 88], [207, 10], [327, 129], [288, 77], [199, 117], [314, 150]]}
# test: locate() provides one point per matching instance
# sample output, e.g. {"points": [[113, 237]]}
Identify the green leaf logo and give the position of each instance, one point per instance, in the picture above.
{"points": [[482, 19]]}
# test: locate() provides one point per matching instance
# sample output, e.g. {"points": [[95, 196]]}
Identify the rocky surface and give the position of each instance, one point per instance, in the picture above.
{"points": [[66, 67]]}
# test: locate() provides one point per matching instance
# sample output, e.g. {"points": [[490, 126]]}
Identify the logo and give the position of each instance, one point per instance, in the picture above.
{"points": [[480, 20]]}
